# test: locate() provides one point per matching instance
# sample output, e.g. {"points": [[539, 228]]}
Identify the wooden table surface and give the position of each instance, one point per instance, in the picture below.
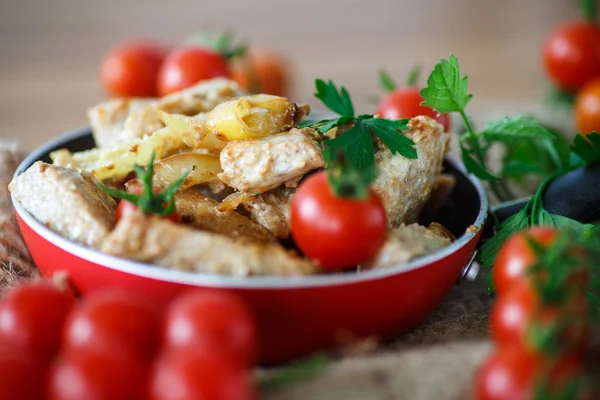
{"points": [[50, 49]]}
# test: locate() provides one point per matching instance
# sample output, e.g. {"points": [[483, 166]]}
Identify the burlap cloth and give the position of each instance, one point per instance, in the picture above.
{"points": [[435, 361]]}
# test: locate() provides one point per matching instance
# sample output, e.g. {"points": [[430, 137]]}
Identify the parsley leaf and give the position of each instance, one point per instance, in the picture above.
{"points": [[587, 149], [338, 102], [388, 132], [509, 129], [559, 222], [446, 91], [357, 142], [386, 81], [358, 145]]}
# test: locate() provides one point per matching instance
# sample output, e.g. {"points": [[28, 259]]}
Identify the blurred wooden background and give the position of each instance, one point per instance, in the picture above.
{"points": [[50, 49]]}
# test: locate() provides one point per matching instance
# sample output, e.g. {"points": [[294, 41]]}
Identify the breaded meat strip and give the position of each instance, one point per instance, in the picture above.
{"points": [[408, 242], [258, 165], [152, 240], [66, 201], [405, 184], [203, 213]]}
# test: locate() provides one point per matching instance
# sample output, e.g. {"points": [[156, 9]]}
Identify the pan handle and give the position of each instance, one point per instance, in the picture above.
{"points": [[502, 211]]}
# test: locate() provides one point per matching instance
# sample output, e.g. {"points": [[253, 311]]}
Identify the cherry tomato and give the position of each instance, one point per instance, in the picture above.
{"points": [[587, 108], [262, 71], [572, 54], [336, 232], [131, 69], [125, 207], [112, 317], [32, 318], [511, 374], [519, 319], [186, 66], [198, 321], [22, 375], [515, 256], [209, 376], [94, 375], [406, 103]]}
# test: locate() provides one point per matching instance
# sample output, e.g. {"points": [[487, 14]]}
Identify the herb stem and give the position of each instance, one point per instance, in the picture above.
{"points": [[500, 190], [538, 202]]}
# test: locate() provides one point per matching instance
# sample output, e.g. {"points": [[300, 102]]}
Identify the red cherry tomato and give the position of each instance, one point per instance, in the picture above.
{"points": [[92, 375], [201, 321], [516, 256], [209, 376], [125, 207], [262, 71], [336, 232], [114, 317], [518, 319], [131, 69], [511, 374], [22, 375], [32, 318], [186, 66], [572, 54], [587, 108], [406, 103]]}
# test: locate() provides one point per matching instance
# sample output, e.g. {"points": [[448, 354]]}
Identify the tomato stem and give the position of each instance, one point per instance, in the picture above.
{"points": [[589, 9], [413, 76]]}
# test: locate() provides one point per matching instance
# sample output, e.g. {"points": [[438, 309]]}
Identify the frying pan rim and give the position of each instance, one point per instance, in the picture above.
{"points": [[224, 281]]}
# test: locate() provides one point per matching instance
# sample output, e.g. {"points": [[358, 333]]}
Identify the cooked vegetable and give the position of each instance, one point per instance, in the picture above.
{"points": [[406, 102], [193, 131], [252, 117], [148, 200], [186, 66], [131, 69], [197, 168]]}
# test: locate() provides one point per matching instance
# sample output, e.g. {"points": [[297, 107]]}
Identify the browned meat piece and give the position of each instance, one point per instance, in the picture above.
{"points": [[203, 213], [256, 166], [406, 184], [272, 210], [408, 242], [122, 119], [66, 201], [152, 240]]}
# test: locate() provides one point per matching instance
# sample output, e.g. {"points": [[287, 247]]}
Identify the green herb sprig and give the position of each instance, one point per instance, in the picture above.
{"points": [[149, 202], [447, 91], [357, 142]]}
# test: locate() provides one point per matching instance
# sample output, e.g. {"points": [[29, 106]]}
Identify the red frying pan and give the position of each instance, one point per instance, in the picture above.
{"points": [[295, 316]]}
